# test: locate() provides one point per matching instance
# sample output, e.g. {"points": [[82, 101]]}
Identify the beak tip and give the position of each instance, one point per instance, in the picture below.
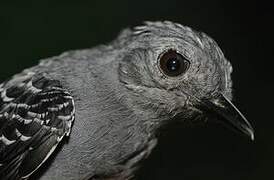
{"points": [[252, 136], [249, 131]]}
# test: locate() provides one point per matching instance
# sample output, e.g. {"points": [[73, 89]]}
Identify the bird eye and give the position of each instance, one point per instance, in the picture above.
{"points": [[173, 64]]}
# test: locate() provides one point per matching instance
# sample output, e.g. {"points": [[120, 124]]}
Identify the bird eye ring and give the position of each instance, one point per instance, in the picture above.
{"points": [[173, 64]]}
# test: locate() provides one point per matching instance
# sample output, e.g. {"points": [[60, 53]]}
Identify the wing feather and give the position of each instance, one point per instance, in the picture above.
{"points": [[36, 112]]}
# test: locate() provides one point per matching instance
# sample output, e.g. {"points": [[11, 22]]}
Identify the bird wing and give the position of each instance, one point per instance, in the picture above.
{"points": [[36, 112]]}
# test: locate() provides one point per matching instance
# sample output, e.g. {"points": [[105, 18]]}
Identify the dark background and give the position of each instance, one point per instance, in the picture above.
{"points": [[31, 30]]}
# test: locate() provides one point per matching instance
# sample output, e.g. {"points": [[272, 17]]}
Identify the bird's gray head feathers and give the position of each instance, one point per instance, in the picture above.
{"points": [[169, 69]]}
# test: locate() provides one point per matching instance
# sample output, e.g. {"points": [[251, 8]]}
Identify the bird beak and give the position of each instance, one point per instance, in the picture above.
{"points": [[229, 114]]}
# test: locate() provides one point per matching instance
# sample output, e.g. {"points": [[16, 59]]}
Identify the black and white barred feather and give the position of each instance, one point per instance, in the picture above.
{"points": [[36, 112]]}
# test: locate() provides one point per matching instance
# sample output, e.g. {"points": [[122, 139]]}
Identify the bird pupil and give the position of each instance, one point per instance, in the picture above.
{"points": [[173, 64]]}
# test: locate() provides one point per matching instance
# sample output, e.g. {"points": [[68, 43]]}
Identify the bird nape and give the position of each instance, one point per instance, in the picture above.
{"points": [[120, 95]]}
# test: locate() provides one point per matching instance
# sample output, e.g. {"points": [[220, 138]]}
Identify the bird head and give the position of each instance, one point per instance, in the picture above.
{"points": [[171, 70]]}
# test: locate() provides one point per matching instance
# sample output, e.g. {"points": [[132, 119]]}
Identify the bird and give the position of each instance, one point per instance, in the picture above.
{"points": [[95, 113]]}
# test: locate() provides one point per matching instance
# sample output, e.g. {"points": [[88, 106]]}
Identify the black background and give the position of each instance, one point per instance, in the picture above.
{"points": [[31, 30]]}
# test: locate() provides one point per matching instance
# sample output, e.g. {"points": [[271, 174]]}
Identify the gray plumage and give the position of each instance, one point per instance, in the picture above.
{"points": [[119, 97]]}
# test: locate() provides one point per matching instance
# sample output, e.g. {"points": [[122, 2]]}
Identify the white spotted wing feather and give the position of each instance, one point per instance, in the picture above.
{"points": [[35, 114]]}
